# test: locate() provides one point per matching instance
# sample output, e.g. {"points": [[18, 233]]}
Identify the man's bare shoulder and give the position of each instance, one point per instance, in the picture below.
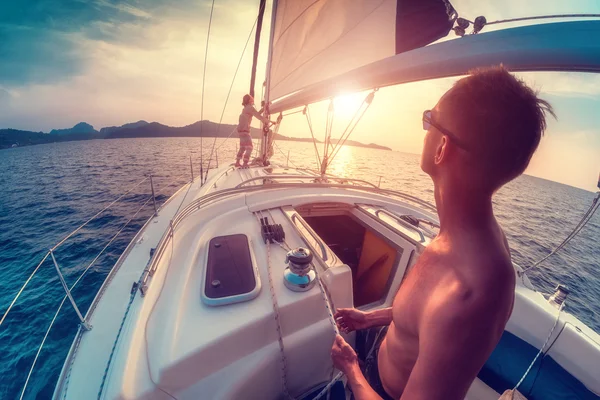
{"points": [[477, 277], [484, 259]]}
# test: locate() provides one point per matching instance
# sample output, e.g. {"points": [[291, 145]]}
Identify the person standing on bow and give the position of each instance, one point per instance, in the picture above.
{"points": [[243, 129]]}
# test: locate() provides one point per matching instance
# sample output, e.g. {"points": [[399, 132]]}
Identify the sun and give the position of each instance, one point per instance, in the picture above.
{"points": [[347, 105]]}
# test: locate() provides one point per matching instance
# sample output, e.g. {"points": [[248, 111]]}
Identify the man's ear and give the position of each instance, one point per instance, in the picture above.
{"points": [[441, 152]]}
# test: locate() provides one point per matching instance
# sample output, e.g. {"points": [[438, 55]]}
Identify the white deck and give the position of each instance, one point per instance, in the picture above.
{"points": [[174, 345]]}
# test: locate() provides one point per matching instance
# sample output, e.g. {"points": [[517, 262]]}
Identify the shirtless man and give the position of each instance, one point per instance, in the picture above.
{"points": [[243, 129], [453, 305]]}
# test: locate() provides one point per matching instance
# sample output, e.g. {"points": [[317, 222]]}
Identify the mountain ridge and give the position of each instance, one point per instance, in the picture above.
{"points": [[140, 129]]}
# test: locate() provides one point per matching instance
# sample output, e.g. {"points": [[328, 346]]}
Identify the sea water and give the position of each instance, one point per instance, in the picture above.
{"points": [[47, 191]]}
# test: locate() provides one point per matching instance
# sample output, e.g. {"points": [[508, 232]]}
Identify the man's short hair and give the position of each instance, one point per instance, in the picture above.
{"points": [[247, 99], [500, 118]]}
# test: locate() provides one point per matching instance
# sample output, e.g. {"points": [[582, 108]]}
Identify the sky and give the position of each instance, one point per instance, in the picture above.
{"points": [[110, 62]]}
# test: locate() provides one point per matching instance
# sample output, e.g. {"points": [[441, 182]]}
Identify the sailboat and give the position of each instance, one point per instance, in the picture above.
{"points": [[228, 290]]}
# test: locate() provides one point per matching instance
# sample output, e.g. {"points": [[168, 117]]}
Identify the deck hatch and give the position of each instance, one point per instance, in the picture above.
{"points": [[231, 275]]}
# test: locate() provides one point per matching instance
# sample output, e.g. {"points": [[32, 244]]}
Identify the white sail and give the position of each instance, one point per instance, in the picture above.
{"points": [[566, 46], [314, 41]]}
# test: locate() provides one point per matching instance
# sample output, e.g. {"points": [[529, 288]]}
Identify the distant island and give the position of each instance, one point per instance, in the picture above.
{"points": [[140, 129]]}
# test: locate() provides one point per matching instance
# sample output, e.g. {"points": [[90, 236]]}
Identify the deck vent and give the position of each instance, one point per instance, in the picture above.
{"points": [[299, 275]]}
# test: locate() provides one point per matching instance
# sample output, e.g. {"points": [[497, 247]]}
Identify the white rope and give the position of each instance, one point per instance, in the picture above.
{"points": [[542, 348], [275, 305], [326, 300]]}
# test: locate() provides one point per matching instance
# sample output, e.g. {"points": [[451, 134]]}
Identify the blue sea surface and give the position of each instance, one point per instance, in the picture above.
{"points": [[47, 191]]}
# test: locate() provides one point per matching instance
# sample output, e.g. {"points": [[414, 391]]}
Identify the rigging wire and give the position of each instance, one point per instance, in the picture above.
{"points": [[328, 128], [350, 128], [584, 220], [227, 99], [70, 289], [212, 7], [541, 351], [356, 113], [62, 241], [286, 156], [306, 113]]}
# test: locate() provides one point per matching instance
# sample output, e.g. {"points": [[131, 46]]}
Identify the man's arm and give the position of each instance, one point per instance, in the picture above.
{"points": [[258, 115], [344, 358], [351, 319], [455, 340], [382, 317], [359, 385]]}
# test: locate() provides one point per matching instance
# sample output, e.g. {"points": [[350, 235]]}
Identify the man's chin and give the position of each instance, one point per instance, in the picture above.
{"points": [[426, 168]]}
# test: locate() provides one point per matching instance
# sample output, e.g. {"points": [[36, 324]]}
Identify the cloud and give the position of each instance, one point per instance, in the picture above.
{"points": [[37, 55], [146, 68], [45, 41], [565, 84]]}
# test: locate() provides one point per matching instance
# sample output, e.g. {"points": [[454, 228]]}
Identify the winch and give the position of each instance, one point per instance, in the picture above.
{"points": [[559, 296], [299, 275]]}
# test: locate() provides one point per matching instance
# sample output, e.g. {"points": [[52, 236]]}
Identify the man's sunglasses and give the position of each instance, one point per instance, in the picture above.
{"points": [[428, 122]]}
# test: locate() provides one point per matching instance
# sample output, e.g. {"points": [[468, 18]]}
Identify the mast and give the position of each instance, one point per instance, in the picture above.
{"points": [[267, 99], [261, 13]]}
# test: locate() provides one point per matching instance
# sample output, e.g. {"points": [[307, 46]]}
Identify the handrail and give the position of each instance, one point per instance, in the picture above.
{"points": [[226, 172], [60, 243], [198, 203], [84, 324], [401, 222], [315, 179], [295, 217], [269, 177]]}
